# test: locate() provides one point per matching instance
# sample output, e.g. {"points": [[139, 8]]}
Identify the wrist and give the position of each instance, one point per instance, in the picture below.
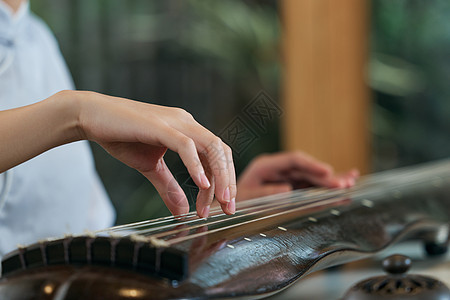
{"points": [[66, 109]]}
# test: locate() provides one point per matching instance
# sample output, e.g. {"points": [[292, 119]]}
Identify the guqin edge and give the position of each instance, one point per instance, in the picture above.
{"points": [[270, 243]]}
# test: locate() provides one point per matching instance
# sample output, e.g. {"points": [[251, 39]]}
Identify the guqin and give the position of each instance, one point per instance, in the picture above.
{"points": [[269, 243]]}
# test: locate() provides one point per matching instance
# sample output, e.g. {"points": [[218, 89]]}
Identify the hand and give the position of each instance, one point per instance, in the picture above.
{"points": [[136, 133], [139, 134], [282, 172]]}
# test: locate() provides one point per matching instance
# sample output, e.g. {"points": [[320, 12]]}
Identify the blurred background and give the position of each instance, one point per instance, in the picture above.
{"points": [[224, 60]]}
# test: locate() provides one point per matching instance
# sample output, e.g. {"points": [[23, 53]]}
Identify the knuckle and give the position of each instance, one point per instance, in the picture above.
{"points": [[189, 116], [227, 149], [186, 143], [217, 141], [177, 110], [221, 169], [214, 146], [182, 114]]}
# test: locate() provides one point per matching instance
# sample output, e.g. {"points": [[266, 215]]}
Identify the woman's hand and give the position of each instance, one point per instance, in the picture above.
{"points": [[282, 172], [139, 134], [136, 133]]}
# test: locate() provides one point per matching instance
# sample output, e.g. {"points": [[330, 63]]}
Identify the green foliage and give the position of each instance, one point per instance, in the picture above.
{"points": [[410, 69], [242, 38]]}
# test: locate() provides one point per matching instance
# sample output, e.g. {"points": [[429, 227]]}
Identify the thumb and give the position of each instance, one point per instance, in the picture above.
{"points": [[169, 189]]}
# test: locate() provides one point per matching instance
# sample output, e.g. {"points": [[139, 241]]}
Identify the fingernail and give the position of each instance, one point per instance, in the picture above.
{"points": [[205, 212], [226, 194], [231, 206], [204, 180]]}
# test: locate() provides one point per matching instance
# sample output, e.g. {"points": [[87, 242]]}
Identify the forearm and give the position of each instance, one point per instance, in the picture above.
{"points": [[28, 131]]}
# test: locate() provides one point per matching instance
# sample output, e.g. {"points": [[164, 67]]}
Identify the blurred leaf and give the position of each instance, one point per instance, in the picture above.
{"points": [[392, 75]]}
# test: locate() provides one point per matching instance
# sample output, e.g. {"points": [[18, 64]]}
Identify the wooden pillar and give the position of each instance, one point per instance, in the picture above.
{"points": [[325, 97]]}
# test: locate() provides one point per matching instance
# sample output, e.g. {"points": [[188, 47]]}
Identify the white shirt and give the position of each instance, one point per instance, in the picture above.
{"points": [[59, 191]]}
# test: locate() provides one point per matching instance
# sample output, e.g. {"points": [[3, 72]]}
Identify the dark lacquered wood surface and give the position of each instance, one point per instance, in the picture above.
{"points": [[257, 259], [332, 284]]}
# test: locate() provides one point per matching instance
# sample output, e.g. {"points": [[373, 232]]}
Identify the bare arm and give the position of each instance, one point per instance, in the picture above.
{"points": [[31, 130], [136, 133]]}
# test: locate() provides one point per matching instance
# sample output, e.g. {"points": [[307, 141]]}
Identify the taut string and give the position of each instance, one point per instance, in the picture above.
{"points": [[296, 200]]}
